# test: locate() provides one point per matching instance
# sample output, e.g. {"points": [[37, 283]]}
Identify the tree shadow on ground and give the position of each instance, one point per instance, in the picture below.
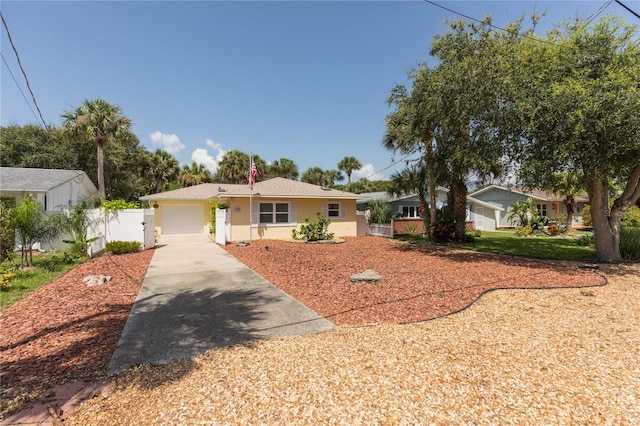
{"points": [[167, 327]]}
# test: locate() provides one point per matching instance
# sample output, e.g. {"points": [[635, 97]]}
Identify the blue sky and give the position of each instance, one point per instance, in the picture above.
{"points": [[301, 80]]}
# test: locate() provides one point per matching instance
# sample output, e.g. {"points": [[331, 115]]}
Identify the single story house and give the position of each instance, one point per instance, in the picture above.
{"points": [[549, 205], [480, 214], [270, 211], [54, 189]]}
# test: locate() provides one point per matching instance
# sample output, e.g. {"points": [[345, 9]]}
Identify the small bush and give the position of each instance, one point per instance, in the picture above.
{"points": [[630, 243], [313, 231], [8, 271], [524, 231], [554, 230], [631, 217], [477, 233], [123, 247], [586, 241]]}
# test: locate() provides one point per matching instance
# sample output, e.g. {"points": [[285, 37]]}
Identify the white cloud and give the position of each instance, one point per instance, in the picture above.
{"points": [[367, 171], [202, 156], [170, 143]]}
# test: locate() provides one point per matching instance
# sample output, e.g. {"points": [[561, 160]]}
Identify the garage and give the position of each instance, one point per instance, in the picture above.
{"points": [[182, 219]]}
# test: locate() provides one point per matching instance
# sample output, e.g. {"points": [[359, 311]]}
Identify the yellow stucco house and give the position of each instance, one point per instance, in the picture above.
{"points": [[270, 211]]}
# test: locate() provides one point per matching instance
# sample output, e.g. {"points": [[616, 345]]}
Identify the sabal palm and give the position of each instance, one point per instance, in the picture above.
{"points": [[568, 185], [194, 174], [163, 168], [313, 175], [413, 180], [285, 168], [348, 165], [331, 176], [100, 121]]}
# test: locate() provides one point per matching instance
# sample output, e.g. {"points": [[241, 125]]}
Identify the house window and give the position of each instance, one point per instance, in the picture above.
{"points": [[410, 211], [542, 209], [274, 212], [332, 210]]}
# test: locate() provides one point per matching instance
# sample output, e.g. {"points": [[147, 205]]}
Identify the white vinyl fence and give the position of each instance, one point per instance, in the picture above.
{"points": [[121, 225]]}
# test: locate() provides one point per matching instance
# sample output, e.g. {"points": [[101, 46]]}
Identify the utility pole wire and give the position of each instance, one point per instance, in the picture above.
{"points": [[18, 86], [633, 12], [22, 69]]}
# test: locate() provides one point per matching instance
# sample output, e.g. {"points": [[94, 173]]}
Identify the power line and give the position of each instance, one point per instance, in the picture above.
{"points": [[490, 24], [22, 69], [18, 86], [633, 12], [601, 9]]}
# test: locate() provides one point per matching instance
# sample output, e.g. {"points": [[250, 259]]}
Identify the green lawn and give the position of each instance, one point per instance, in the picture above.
{"points": [[533, 247], [29, 280]]}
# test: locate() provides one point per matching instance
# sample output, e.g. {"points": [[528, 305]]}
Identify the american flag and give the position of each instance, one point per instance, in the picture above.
{"points": [[252, 173]]}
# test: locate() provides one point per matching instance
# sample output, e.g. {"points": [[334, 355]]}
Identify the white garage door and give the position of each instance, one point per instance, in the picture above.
{"points": [[182, 219]]}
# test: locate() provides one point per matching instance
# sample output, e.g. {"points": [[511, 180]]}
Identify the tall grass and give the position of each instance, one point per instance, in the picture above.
{"points": [[630, 243]]}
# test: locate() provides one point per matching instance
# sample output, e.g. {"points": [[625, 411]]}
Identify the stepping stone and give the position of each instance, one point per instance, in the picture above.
{"points": [[367, 276]]}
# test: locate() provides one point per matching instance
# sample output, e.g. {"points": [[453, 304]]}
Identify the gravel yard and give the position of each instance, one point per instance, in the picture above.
{"points": [[514, 356]]}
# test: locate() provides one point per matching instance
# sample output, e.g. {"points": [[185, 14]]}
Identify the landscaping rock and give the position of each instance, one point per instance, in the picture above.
{"points": [[95, 280], [367, 276]]}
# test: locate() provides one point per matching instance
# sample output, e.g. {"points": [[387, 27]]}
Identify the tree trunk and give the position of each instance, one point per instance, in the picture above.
{"points": [[570, 203], [606, 224], [432, 186], [458, 192], [101, 189]]}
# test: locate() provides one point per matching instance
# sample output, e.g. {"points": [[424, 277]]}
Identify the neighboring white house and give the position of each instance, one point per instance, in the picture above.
{"points": [[54, 189]]}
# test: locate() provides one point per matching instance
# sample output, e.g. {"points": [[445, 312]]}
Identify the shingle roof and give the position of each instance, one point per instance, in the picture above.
{"points": [[37, 180], [272, 188], [534, 193]]}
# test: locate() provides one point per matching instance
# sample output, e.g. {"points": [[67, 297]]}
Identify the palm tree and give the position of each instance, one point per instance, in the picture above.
{"points": [[163, 168], [313, 175], [331, 176], [100, 121], [348, 165], [194, 174], [285, 168]]}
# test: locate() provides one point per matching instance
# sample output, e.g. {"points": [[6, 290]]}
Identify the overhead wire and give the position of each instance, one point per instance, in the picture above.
{"points": [[633, 12], [26, 79], [18, 86], [597, 13]]}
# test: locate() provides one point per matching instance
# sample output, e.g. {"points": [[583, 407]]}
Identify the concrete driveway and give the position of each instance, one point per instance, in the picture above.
{"points": [[195, 297]]}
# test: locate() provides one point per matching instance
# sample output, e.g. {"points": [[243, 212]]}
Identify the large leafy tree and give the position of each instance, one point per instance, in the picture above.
{"points": [[451, 113], [99, 121], [575, 101], [348, 164]]}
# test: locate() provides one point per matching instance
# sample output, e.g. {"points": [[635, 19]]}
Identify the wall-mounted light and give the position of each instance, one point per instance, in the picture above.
{"points": [[155, 205]]}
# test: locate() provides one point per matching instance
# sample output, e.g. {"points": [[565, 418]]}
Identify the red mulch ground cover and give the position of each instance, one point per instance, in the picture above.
{"points": [[420, 281], [66, 330]]}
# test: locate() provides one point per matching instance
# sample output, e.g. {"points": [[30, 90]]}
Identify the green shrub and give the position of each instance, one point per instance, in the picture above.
{"points": [[586, 216], [477, 233], [524, 231], [631, 217], [123, 247], [379, 211], [8, 272], [313, 231], [586, 241], [113, 205], [630, 243]]}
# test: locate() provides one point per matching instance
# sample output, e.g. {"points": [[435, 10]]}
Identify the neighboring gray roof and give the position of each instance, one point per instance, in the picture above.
{"points": [[383, 195], [484, 203], [533, 193], [272, 188], [36, 180]]}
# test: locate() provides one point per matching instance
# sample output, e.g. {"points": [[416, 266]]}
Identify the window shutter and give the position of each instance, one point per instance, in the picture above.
{"points": [[255, 213], [293, 213], [325, 210], [343, 210]]}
